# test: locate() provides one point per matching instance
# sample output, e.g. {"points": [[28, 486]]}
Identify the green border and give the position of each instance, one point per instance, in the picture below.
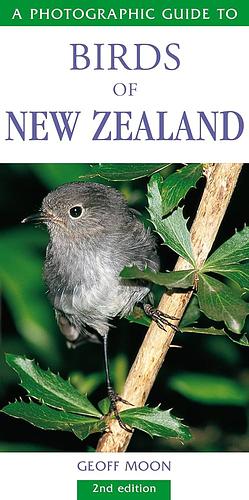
{"points": [[77, 6], [107, 490]]}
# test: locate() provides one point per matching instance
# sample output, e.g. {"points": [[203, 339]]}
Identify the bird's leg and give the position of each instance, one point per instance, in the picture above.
{"points": [[113, 397], [161, 319]]}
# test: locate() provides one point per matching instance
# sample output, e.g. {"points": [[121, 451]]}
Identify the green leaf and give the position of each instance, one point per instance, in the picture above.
{"points": [[104, 406], [241, 340], [239, 273], [177, 185], [125, 171], [173, 230], [49, 388], [220, 303], [210, 389], [156, 422], [90, 426], [192, 313], [154, 197], [47, 418], [176, 235], [234, 250], [56, 174], [174, 279]]}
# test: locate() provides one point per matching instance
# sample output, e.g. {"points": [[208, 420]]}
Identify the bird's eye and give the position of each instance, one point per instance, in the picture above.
{"points": [[76, 212]]}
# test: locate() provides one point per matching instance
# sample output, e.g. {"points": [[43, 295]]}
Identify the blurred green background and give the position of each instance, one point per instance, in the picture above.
{"points": [[206, 382]]}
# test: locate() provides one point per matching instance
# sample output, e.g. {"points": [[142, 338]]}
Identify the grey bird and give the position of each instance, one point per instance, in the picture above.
{"points": [[93, 236]]}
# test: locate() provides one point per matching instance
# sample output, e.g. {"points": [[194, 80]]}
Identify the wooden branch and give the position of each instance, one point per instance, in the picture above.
{"points": [[221, 179]]}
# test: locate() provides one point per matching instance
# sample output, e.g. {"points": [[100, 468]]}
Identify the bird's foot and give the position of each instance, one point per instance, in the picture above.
{"points": [[114, 399], [161, 319]]}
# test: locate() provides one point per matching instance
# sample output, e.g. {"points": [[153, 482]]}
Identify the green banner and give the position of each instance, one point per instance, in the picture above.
{"points": [[126, 490], [124, 13]]}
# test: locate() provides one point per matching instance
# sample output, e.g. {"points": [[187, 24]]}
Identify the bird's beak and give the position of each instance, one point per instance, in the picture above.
{"points": [[38, 217]]}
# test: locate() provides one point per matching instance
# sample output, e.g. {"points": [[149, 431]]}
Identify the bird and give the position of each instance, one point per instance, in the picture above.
{"points": [[94, 234]]}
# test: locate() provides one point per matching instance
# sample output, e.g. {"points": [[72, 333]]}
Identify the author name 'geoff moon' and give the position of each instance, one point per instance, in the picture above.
{"points": [[124, 125], [128, 465]]}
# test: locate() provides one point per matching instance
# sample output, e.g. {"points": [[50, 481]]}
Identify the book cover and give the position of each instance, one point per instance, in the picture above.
{"points": [[124, 250]]}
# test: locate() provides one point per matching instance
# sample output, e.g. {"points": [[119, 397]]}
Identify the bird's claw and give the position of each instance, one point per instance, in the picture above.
{"points": [[122, 424], [121, 400], [160, 318], [114, 399]]}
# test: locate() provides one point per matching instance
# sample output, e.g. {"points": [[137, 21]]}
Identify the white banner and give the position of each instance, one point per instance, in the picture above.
{"points": [[147, 94], [193, 476]]}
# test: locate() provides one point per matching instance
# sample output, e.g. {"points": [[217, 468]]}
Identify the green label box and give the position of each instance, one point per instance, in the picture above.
{"points": [[127, 490], [120, 13]]}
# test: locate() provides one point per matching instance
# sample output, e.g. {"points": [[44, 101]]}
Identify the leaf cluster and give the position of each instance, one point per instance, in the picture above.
{"points": [[55, 404], [221, 301]]}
